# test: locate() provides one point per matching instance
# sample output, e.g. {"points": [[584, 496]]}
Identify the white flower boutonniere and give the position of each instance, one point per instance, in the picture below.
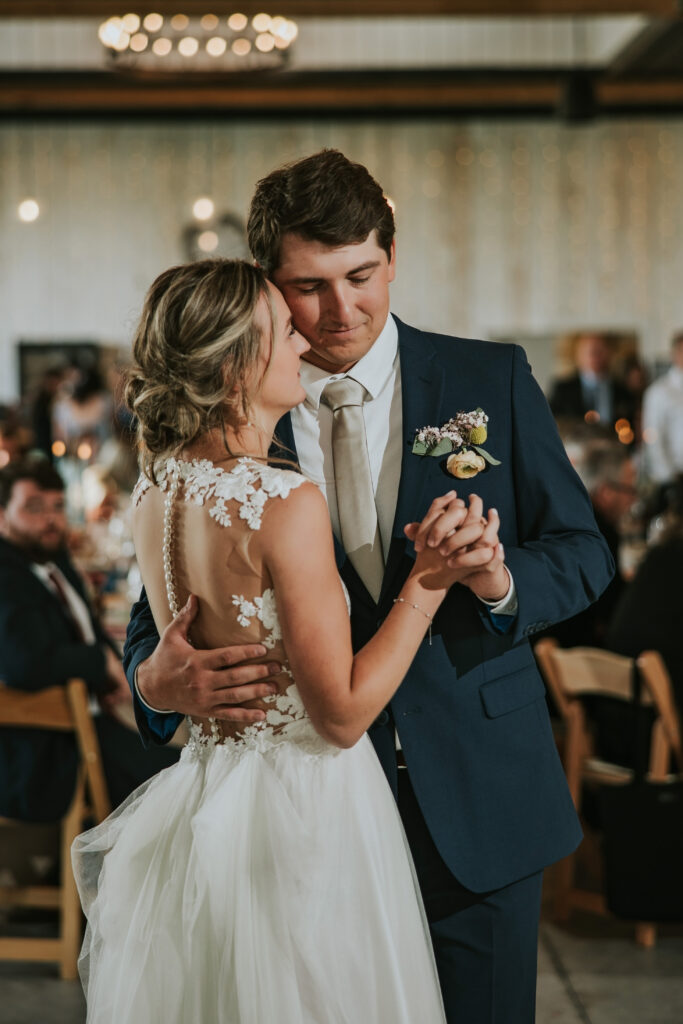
{"points": [[460, 438]]}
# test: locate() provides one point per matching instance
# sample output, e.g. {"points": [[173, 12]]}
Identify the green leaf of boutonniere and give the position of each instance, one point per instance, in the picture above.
{"points": [[485, 455], [420, 448], [444, 447]]}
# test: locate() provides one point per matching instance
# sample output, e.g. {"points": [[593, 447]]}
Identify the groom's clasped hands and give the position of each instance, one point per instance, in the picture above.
{"points": [[455, 543], [458, 540]]}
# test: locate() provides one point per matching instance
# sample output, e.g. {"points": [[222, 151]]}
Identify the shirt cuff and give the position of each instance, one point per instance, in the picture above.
{"points": [[156, 711], [508, 605]]}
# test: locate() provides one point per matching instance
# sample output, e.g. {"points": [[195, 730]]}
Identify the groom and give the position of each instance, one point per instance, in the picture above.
{"points": [[466, 742]]}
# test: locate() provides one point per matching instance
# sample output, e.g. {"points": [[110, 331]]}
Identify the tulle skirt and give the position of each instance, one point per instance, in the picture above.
{"points": [[256, 886]]}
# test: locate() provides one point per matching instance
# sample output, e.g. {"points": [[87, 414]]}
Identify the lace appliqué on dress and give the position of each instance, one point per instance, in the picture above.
{"points": [[286, 717], [264, 609], [249, 483], [286, 720]]}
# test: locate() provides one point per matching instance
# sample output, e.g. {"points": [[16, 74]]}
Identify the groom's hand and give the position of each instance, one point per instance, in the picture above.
{"points": [[491, 582], [205, 683], [469, 544]]}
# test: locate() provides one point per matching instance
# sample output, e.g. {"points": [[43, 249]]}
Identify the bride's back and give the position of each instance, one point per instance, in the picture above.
{"points": [[198, 531]]}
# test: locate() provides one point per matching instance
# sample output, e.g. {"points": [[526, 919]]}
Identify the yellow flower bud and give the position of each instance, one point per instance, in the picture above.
{"points": [[478, 435]]}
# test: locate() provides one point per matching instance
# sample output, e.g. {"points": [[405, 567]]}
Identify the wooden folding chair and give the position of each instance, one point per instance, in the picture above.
{"points": [[62, 708], [571, 674]]}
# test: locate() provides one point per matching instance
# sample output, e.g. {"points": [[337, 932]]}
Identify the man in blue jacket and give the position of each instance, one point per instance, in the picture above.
{"points": [[466, 742], [49, 633]]}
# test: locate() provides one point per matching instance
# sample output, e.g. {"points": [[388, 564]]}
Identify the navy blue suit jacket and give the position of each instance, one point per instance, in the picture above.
{"points": [[39, 648], [471, 712]]}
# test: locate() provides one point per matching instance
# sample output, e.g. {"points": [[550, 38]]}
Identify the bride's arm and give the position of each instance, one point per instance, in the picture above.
{"points": [[343, 694]]}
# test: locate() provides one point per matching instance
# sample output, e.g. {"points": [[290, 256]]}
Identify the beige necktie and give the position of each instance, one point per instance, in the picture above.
{"points": [[355, 495]]}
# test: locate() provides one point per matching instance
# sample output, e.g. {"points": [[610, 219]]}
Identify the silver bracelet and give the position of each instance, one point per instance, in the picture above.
{"points": [[402, 600]]}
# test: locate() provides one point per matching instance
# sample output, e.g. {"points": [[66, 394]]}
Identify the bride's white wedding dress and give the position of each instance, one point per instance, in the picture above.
{"points": [[265, 878]]}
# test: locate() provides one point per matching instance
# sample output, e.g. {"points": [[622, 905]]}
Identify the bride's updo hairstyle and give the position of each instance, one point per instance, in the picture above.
{"points": [[195, 348]]}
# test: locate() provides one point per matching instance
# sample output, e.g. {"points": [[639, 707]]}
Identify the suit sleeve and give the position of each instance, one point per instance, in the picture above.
{"points": [[560, 562], [34, 656], [141, 639]]}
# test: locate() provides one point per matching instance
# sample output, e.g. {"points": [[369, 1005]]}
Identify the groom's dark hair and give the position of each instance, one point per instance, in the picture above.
{"points": [[323, 198]]}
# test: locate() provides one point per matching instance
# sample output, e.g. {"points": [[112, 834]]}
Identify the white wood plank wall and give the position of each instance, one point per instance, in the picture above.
{"points": [[510, 228]]}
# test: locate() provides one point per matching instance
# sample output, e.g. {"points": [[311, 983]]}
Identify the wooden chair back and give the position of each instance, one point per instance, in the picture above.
{"points": [[573, 673], [64, 709]]}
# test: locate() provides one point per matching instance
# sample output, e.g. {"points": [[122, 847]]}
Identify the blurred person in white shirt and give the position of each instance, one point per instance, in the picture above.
{"points": [[663, 420]]}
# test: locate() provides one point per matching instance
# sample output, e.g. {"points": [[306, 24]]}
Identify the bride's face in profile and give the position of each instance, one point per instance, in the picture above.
{"points": [[280, 388]]}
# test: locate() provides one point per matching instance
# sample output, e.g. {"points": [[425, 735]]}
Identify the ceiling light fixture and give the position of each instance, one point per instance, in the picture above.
{"points": [[205, 43]]}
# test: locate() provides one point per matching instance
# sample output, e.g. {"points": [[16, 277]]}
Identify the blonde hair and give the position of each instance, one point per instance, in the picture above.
{"points": [[195, 347]]}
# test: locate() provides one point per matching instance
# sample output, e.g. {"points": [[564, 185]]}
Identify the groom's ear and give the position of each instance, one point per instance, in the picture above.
{"points": [[392, 260]]}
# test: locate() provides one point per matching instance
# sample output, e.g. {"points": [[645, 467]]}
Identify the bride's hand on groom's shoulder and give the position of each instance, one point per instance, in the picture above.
{"points": [[205, 682], [456, 543]]}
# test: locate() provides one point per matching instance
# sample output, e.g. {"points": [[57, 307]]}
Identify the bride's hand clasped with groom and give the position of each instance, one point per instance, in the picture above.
{"points": [[454, 543]]}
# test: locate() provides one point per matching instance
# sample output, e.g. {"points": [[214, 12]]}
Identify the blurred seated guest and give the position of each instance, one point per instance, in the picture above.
{"points": [[85, 413], [41, 410], [592, 392], [648, 614], [608, 474], [663, 420], [632, 374], [15, 439], [48, 634]]}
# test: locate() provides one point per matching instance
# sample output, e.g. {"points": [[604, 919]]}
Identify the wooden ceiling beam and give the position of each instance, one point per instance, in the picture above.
{"points": [[343, 8], [102, 95]]}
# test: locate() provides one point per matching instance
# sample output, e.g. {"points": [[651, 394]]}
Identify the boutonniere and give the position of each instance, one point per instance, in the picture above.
{"points": [[461, 439]]}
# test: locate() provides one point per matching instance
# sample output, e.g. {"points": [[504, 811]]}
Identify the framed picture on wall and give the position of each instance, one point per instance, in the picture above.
{"points": [[36, 358]]}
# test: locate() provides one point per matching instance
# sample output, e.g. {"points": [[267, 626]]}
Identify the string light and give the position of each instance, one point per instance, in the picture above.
{"points": [[188, 46], [131, 23], [203, 208], [162, 47], [216, 46], [152, 22], [208, 241], [29, 210]]}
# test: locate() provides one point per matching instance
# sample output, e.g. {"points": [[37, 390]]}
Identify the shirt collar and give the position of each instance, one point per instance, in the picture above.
{"points": [[590, 379], [372, 371], [43, 570]]}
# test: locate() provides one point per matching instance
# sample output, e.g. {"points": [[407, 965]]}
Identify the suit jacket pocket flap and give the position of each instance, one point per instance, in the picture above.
{"points": [[508, 693]]}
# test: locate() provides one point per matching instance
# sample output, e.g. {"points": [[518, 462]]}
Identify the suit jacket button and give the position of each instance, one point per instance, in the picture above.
{"points": [[382, 718]]}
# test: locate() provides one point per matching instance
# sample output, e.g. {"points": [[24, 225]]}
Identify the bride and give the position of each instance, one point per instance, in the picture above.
{"points": [[265, 878]]}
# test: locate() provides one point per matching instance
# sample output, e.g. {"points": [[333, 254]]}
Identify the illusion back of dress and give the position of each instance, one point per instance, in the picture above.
{"points": [[198, 531]]}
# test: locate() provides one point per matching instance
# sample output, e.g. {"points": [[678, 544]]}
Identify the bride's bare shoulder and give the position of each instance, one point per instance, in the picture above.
{"points": [[145, 497], [299, 521]]}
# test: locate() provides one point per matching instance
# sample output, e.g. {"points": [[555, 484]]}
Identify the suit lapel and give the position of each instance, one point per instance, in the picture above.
{"points": [[422, 384], [284, 445]]}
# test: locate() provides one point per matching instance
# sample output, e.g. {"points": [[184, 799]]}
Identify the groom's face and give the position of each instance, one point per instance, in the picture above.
{"points": [[338, 296]]}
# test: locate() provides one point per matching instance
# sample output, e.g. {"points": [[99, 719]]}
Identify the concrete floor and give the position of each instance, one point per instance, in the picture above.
{"points": [[590, 972]]}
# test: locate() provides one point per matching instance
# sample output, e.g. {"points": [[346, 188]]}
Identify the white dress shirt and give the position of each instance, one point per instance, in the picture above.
{"points": [[77, 605], [380, 374]]}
